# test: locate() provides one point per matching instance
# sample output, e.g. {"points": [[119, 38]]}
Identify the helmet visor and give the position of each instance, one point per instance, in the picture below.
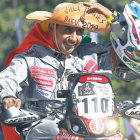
{"points": [[126, 74]]}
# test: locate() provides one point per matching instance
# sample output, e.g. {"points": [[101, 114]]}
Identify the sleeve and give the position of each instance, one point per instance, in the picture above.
{"points": [[13, 77]]}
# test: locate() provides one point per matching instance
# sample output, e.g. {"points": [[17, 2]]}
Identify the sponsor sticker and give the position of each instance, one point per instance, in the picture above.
{"points": [[96, 125], [45, 92], [86, 89], [118, 136], [65, 135]]}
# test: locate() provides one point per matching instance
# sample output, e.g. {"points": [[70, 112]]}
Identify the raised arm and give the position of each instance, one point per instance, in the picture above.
{"points": [[99, 8]]}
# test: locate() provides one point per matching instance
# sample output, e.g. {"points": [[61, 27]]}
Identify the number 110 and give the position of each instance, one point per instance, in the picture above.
{"points": [[103, 107]]}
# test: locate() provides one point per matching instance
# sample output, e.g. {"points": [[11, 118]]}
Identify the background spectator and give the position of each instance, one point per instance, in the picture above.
{"points": [[136, 124]]}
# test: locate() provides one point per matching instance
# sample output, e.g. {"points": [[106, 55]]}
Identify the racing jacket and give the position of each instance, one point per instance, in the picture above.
{"points": [[44, 70]]}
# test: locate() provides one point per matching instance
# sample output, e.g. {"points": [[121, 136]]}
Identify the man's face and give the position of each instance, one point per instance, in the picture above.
{"points": [[68, 38]]}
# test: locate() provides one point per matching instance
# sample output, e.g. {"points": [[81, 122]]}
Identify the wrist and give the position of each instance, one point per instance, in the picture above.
{"points": [[10, 96], [113, 17]]}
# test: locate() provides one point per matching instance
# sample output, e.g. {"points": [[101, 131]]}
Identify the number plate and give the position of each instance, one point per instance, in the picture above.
{"points": [[94, 99]]}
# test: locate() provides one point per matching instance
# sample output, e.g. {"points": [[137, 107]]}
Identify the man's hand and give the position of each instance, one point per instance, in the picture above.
{"points": [[9, 102], [97, 7]]}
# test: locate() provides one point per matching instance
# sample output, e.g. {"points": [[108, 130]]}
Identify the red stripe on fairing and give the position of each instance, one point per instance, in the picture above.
{"points": [[94, 78], [95, 129]]}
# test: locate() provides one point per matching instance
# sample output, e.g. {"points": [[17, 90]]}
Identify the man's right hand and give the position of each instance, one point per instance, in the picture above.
{"points": [[93, 7], [9, 102]]}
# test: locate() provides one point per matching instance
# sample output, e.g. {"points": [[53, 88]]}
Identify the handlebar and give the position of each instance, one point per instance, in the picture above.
{"points": [[33, 110]]}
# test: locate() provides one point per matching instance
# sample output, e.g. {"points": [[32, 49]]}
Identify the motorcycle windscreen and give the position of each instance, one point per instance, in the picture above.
{"points": [[95, 101]]}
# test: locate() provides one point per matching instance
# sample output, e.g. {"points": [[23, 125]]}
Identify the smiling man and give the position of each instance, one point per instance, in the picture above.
{"points": [[51, 51], [66, 38]]}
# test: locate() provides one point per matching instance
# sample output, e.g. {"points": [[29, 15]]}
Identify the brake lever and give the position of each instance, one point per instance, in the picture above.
{"points": [[129, 109]]}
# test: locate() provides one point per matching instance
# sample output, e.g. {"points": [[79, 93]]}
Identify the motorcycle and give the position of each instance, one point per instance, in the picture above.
{"points": [[89, 111]]}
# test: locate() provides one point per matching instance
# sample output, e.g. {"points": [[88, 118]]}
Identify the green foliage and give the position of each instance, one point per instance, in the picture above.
{"points": [[104, 38], [127, 1], [126, 90]]}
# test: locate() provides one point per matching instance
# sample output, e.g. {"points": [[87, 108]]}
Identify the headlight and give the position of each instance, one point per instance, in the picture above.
{"points": [[112, 126]]}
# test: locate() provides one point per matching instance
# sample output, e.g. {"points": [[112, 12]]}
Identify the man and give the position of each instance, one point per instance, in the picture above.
{"points": [[51, 51], [135, 123]]}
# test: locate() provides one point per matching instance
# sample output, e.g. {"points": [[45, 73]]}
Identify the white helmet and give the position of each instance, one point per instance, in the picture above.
{"points": [[125, 38]]}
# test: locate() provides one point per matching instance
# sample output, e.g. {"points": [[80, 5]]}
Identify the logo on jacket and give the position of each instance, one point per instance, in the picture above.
{"points": [[43, 77], [29, 52], [48, 94], [90, 66], [48, 72]]}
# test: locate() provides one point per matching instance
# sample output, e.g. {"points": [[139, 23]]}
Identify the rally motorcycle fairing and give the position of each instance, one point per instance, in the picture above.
{"points": [[91, 106]]}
